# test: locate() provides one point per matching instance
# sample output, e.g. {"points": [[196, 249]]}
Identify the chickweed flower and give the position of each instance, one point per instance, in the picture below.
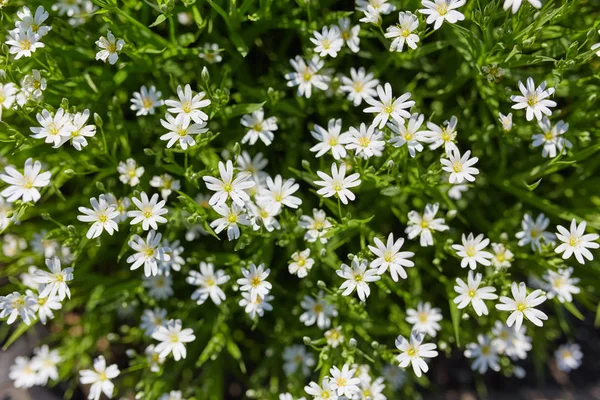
{"points": [[130, 173], [229, 186], [110, 47], [146, 100], [484, 354], [568, 357], [471, 251], [208, 281], [460, 167], [424, 225], [506, 121], [366, 142], [328, 42], [414, 352], [189, 104], [54, 127], [180, 129], [317, 310], [301, 263], [389, 256], [343, 381], [147, 252], [403, 32], [534, 232], [150, 211], [387, 106], [551, 139], [322, 392], [103, 216], [534, 100], [438, 11], [408, 134], [24, 186], [357, 277], [172, 338], [259, 128], [471, 293], [523, 306], [349, 34], [338, 183], [561, 285], [331, 139], [231, 218], [100, 378], [254, 281], [359, 85], [306, 75], [54, 282], [278, 193], [576, 242], [424, 318], [444, 135], [16, 305]]}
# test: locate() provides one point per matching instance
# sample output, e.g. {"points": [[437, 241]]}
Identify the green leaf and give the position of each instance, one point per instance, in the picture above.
{"points": [[159, 20], [21, 329], [573, 310], [455, 315], [534, 185]]}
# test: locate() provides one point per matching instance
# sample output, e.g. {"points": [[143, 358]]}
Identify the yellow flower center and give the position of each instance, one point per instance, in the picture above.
{"points": [[521, 307], [358, 277], [388, 109], [442, 8], [411, 351], [387, 256], [181, 132], [302, 262], [532, 100], [147, 103], [232, 218], [485, 350], [25, 44], [257, 127], [307, 76], [112, 48], [147, 212], [423, 317], [326, 44], [364, 141], [333, 142], [102, 376], [186, 107], [457, 167], [318, 308], [548, 135], [102, 218], [149, 252], [255, 281], [405, 32], [424, 224], [341, 382], [471, 251], [28, 184], [210, 282], [471, 293], [227, 187], [358, 86], [574, 241]]}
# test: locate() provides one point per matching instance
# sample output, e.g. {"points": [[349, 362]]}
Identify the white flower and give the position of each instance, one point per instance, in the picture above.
{"points": [[516, 4], [180, 129], [189, 104], [23, 373], [438, 11], [130, 173], [16, 305], [172, 338], [334, 337], [414, 352], [575, 241], [260, 127], [425, 318], [149, 211], [24, 185], [102, 215], [80, 131], [317, 310], [172, 395], [152, 319], [387, 106], [254, 281], [424, 225], [230, 218], [159, 287], [146, 100], [13, 245], [8, 93], [568, 357], [54, 128], [534, 100], [343, 381], [110, 47], [514, 344], [596, 47], [296, 357], [301, 263], [255, 165], [485, 354], [32, 88], [460, 168], [523, 306], [263, 214], [166, 184], [402, 32], [307, 75], [211, 53], [5, 211], [176, 261], [208, 281], [471, 251], [316, 226], [389, 256], [147, 253], [35, 22], [154, 358], [350, 34], [382, 6], [331, 139], [471, 293], [534, 232], [506, 121], [121, 205], [357, 277], [45, 361], [328, 42], [502, 256], [561, 285], [229, 186], [55, 281], [366, 142], [45, 306], [23, 42], [338, 184], [100, 378], [323, 392], [551, 138], [442, 135], [256, 307], [359, 85], [409, 134], [278, 193]]}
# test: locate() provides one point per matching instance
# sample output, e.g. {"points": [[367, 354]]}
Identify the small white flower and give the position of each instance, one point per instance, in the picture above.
{"points": [[23, 42], [523, 306], [24, 185], [260, 128], [359, 85], [23, 373], [211, 53], [328, 42], [502, 256], [189, 104], [323, 392], [331, 139], [389, 256], [343, 381], [307, 75], [208, 281], [460, 168], [534, 231], [100, 378], [54, 127], [338, 183], [180, 129], [229, 186], [256, 307], [382, 6], [45, 361], [408, 135], [357, 277], [278, 193], [596, 47], [414, 352], [438, 11], [254, 281], [485, 354], [5, 211], [81, 130], [110, 47], [130, 173], [423, 226], [146, 100], [575, 241], [471, 293], [317, 310], [172, 338], [551, 139], [296, 357], [559, 284], [402, 32], [442, 135], [471, 251], [514, 344], [159, 287], [172, 395], [231, 217], [35, 22], [153, 358], [148, 252], [516, 4], [317, 226], [55, 281], [16, 305], [506, 121], [152, 319], [263, 214], [150, 211], [387, 106], [425, 318], [45, 306], [568, 357], [365, 141], [103, 216], [534, 100], [301, 263], [166, 184], [350, 34], [334, 337], [255, 165], [8, 92], [121, 205], [372, 15]]}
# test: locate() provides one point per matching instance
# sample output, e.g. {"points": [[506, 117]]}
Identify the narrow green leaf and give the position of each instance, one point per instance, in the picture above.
{"points": [[21, 329]]}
